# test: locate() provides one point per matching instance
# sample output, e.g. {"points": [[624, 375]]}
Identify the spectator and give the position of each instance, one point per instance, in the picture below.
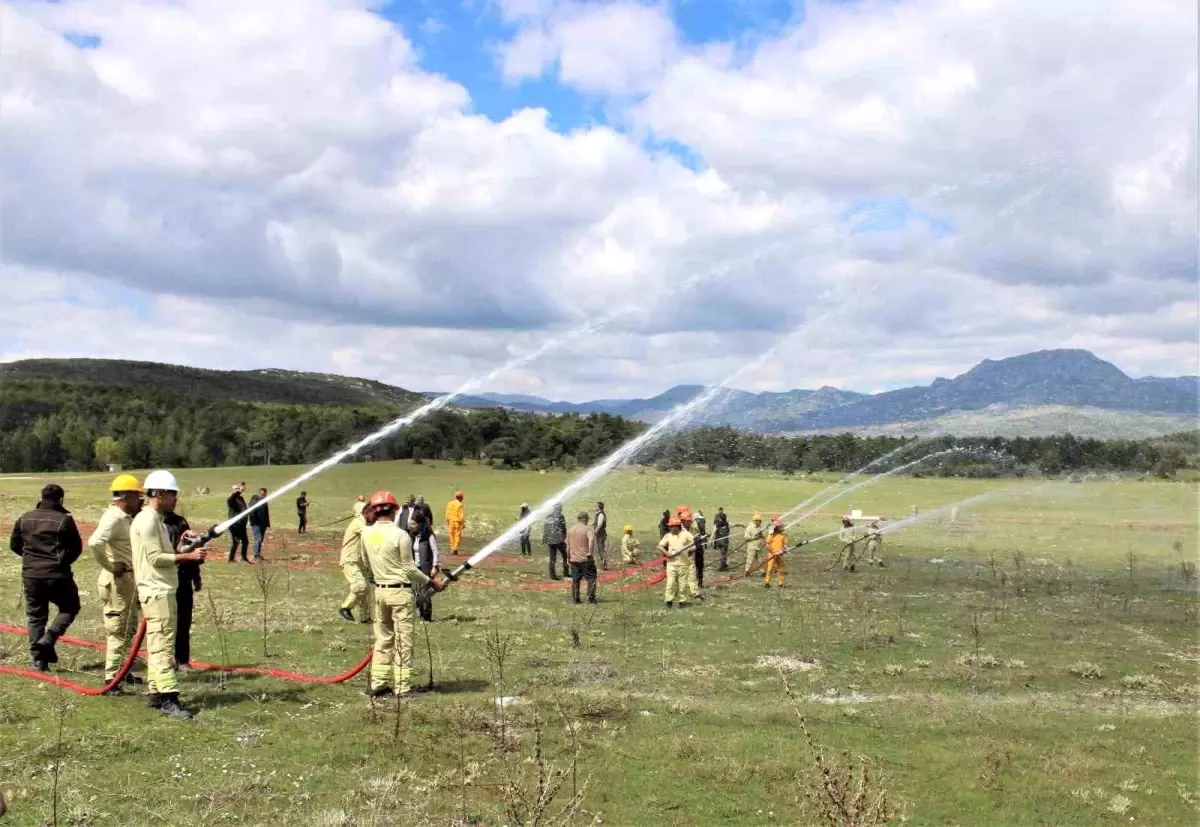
{"points": [[260, 521]]}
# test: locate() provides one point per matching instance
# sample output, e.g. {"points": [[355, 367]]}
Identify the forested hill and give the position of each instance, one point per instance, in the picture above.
{"points": [[48, 425], [269, 385]]}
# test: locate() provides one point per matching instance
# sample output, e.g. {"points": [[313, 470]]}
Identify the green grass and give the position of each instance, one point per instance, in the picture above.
{"points": [[954, 678]]}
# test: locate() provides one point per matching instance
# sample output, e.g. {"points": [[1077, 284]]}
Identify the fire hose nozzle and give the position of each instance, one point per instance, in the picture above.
{"points": [[204, 539]]}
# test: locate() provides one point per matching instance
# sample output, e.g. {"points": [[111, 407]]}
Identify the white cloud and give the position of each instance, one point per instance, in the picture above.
{"points": [[296, 190], [615, 48]]}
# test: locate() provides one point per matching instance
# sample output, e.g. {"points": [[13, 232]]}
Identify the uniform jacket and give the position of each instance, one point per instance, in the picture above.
{"points": [[456, 512], [47, 541]]}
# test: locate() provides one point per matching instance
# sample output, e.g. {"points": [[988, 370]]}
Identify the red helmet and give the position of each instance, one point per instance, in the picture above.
{"points": [[684, 513], [458, 495], [674, 523], [383, 498], [776, 522]]}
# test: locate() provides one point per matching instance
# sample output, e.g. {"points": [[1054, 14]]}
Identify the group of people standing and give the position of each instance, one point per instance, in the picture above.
{"points": [[259, 521], [145, 571]]}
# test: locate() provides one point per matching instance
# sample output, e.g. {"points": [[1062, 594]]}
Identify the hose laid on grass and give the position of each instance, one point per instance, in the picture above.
{"points": [[46, 677], [199, 665]]}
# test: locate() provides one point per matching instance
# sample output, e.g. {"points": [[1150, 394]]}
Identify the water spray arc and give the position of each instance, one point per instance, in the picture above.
{"points": [[679, 415], [406, 420], [889, 455]]}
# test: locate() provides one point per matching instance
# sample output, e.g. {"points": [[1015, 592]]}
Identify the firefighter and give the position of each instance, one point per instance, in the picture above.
{"points": [[154, 567], [389, 552], [690, 581], [846, 535], [721, 538], [674, 546], [776, 546], [355, 568], [456, 520], [48, 542], [874, 540], [116, 585], [629, 547], [754, 542]]}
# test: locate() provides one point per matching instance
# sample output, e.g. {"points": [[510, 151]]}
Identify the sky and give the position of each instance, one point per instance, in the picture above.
{"points": [[418, 191]]}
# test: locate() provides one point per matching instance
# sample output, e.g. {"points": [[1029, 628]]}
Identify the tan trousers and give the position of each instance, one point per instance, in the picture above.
{"points": [[677, 570], [393, 655], [359, 598], [160, 644], [118, 596]]}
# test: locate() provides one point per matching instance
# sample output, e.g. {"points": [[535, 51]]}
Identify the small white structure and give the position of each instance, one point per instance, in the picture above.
{"points": [[114, 468]]}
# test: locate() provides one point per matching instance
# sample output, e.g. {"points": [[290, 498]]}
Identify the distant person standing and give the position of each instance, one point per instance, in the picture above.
{"points": [[422, 509], [600, 530], [721, 538], [407, 512], [847, 555], [580, 554], [776, 546], [235, 504], [874, 539], [425, 557], [360, 502], [189, 585], [48, 542], [664, 525], [701, 535], [260, 521], [526, 543], [456, 520], [554, 537], [302, 513], [754, 540]]}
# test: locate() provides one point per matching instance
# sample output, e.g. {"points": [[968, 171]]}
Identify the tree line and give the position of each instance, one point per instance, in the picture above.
{"points": [[50, 425]]}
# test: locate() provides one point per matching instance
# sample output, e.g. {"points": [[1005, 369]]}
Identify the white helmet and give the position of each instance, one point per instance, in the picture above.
{"points": [[161, 481]]}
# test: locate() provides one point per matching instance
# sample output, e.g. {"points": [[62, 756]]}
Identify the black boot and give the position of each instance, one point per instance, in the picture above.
{"points": [[154, 700], [346, 614], [169, 705]]}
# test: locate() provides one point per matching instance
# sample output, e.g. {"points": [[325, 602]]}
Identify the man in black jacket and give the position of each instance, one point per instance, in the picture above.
{"points": [[189, 583], [235, 505], [302, 513], [48, 542], [721, 538], [260, 521]]}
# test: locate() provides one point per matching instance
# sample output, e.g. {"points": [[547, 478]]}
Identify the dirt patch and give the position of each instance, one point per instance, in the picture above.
{"points": [[787, 664]]}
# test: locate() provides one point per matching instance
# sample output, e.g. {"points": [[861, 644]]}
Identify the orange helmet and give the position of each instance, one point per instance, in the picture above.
{"points": [[458, 495], [684, 513], [674, 523], [775, 521], [383, 498]]}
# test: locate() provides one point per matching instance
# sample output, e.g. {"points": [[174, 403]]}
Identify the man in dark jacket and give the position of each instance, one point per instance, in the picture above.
{"points": [[721, 538], [235, 505], [422, 511], [260, 521], [48, 542], [189, 583], [663, 528], [302, 513], [554, 536], [425, 557], [600, 535]]}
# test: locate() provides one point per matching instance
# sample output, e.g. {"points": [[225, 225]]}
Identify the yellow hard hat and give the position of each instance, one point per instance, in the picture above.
{"points": [[125, 482], [757, 517], [629, 528]]}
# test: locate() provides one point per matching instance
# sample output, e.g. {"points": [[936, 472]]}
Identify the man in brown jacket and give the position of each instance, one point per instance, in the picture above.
{"points": [[580, 545]]}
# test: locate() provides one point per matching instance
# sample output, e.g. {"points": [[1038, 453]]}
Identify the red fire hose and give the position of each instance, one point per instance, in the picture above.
{"points": [[199, 664], [77, 687]]}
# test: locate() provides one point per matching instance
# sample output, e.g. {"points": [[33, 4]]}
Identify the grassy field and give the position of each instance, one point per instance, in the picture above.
{"points": [[1010, 667]]}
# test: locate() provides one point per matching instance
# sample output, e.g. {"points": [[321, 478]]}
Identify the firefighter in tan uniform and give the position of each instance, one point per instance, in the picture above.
{"points": [[754, 542], [629, 547], [116, 585], [690, 583], [874, 540], [154, 562], [674, 546], [356, 569], [849, 540], [389, 551]]}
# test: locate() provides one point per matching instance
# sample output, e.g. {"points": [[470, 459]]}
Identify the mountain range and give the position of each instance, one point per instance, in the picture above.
{"points": [[1050, 391]]}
